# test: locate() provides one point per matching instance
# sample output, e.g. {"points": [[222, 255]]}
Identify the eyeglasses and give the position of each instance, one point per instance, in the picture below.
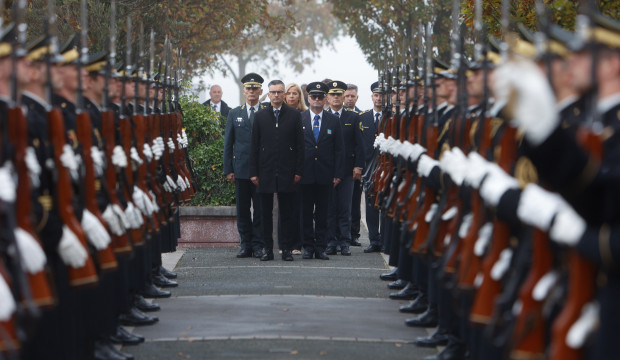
{"points": [[276, 92], [317, 97]]}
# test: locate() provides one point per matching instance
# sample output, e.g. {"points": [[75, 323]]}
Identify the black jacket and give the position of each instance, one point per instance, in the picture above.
{"points": [[277, 149], [323, 160]]}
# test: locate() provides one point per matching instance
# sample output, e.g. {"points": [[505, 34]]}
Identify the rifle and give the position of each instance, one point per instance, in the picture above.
{"points": [[126, 177], [431, 133], [581, 272], [177, 120], [16, 129], [86, 274], [120, 243], [105, 257]]}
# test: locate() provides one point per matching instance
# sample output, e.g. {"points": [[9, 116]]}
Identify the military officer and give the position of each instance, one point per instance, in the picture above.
{"points": [[339, 218], [237, 139]]}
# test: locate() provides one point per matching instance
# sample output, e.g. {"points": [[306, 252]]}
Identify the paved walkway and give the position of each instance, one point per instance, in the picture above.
{"points": [[229, 308]]}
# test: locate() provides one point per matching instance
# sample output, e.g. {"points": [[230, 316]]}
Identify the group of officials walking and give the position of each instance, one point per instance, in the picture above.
{"points": [[93, 169], [311, 157]]}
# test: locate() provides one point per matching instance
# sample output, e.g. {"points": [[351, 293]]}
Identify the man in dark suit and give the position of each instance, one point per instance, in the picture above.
{"points": [[323, 169], [237, 140], [369, 123], [339, 222], [276, 165], [216, 103]]}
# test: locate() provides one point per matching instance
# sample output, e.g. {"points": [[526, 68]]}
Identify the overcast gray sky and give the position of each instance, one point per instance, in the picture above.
{"points": [[345, 63]]}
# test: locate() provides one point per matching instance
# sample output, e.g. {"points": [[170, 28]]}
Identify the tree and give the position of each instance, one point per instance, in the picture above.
{"points": [[383, 27], [200, 28], [311, 26]]}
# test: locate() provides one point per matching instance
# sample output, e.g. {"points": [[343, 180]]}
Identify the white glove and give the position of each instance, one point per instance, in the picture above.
{"points": [[69, 160], [537, 207], [154, 201], [484, 237], [426, 165], [119, 158], [170, 185], [7, 305], [134, 216], [502, 264], [32, 256], [96, 233], [98, 162], [477, 168], [114, 223], [496, 184], [135, 157], [158, 147], [71, 250], [142, 201], [377, 142], [181, 183], [454, 163], [544, 285], [8, 189], [587, 322], [184, 140], [534, 108], [122, 217], [187, 183], [170, 145], [568, 227], [414, 151], [34, 168], [148, 153]]}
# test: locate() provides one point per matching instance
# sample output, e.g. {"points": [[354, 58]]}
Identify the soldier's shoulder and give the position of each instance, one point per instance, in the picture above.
{"points": [[351, 110], [365, 112]]}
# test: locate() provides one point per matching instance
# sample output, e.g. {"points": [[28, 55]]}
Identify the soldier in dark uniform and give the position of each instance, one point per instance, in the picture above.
{"points": [[339, 218], [323, 170], [369, 124], [237, 140]]}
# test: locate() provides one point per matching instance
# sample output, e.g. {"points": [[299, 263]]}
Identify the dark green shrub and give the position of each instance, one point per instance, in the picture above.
{"points": [[206, 151]]}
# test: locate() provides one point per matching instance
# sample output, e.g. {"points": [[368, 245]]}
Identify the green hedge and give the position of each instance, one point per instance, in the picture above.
{"points": [[206, 150]]}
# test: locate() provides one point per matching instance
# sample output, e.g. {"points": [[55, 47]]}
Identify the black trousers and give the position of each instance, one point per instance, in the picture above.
{"points": [[286, 201], [249, 226], [315, 207], [356, 212]]}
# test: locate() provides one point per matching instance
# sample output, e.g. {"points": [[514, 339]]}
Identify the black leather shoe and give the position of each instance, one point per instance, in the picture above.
{"points": [[372, 249], [140, 302], [409, 292], [162, 281], [152, 292], [345, 251], [258, 253], [398, 284], [268, 255], [439, 337], [167, 273], [308, 254], [418, 306], [135, 317], [244, 253], [104, 350], [428, 319], [321, 255], [355, 242], [455, 350], [286, 255], [389, 276], [331, 250], [124, 337]]}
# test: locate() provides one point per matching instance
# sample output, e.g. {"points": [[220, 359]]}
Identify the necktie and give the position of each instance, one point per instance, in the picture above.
{"points": [[214, 108], [252, 115], [337, 114], [316, 128], [277, 114], [377, 115]]}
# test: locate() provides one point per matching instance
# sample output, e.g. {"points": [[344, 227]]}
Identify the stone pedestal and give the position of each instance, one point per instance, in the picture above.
{"points": [[208, 226]]}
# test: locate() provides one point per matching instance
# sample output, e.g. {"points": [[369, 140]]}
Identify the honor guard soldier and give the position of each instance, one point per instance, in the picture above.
{"points": [[237, 140]]}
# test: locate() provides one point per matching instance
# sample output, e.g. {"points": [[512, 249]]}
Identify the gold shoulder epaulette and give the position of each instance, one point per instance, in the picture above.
{"points": [[364, 112]]}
